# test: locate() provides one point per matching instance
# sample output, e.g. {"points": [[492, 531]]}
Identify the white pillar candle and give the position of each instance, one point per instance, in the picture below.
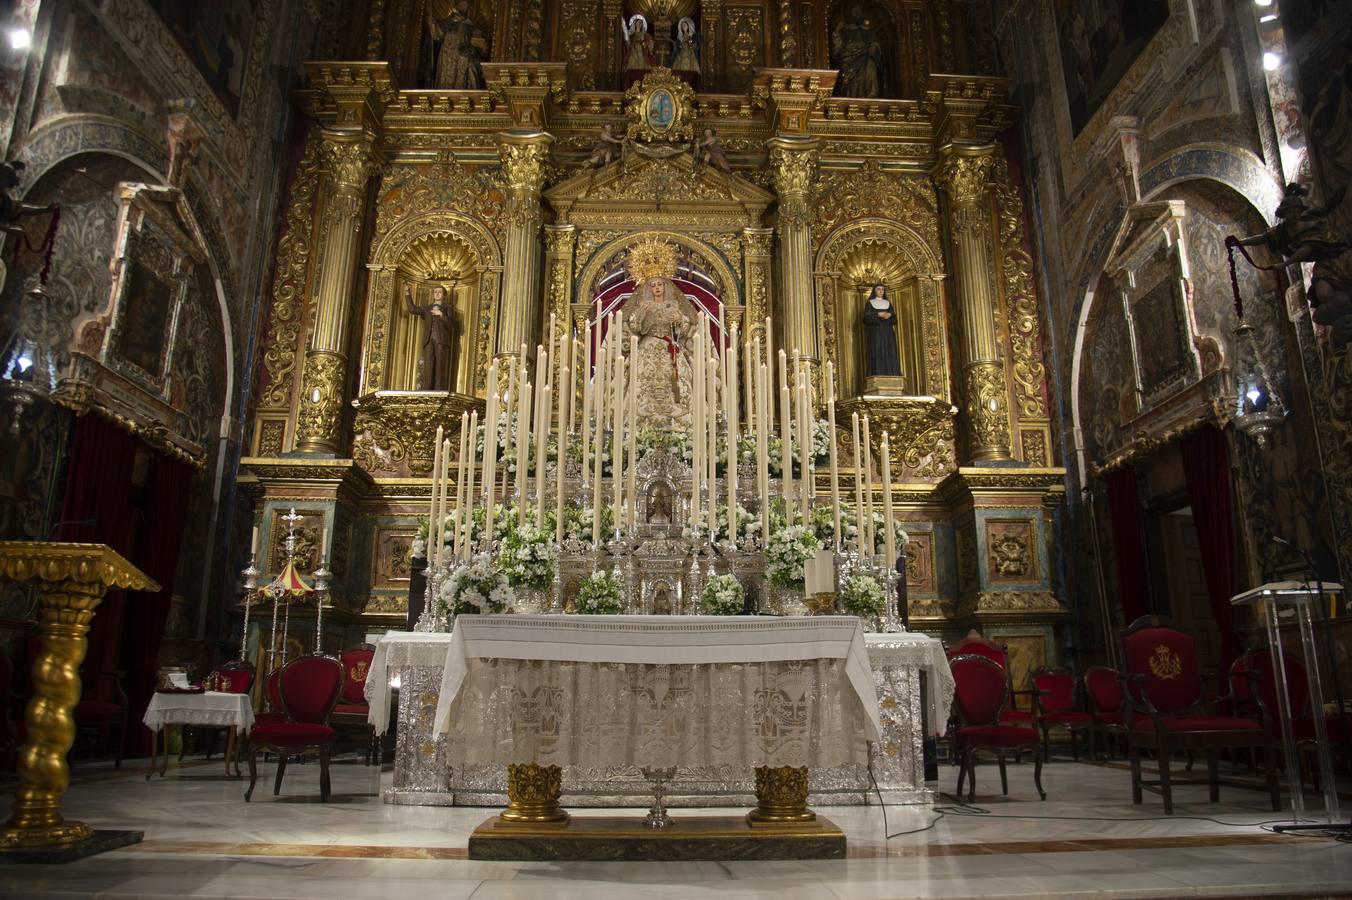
{"points": [[467, 507], [490, 444], [763, 449], [561, 440], [805, 485], [631, 425], [868, 491], [734, 441], [858, 482], [785, 446], [433, 527], [585, 426], [711, 367], [523, 450], [457, 525], [540, 425], [617, 444], [835, 467], [889, 536], [253, 541], [545, 416]]}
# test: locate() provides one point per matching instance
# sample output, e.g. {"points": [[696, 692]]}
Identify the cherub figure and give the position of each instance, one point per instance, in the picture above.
{"points": [[606, 149], [1303, 233], [709, 151]]}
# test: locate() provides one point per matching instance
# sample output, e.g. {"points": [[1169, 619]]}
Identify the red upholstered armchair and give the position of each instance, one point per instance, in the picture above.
{"points": [[998, 654], [1103, 687], [310, 687], [1055, 704], [979, 698], [272, 688], [1253, 684], [352, 709], [1162, 687]]}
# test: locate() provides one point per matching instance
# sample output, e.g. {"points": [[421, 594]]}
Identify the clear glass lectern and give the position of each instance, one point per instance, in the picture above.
{"points": [[1285, 602]]}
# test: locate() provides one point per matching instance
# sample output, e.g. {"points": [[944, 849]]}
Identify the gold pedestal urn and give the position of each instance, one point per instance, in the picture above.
{"points": [[781, 797], [533, 796], [72, 579]]}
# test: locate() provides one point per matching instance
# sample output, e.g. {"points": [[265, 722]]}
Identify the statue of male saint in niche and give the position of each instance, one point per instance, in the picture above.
{"points": [[455, 49], [858, 55], [438, 318], [880, 334]]}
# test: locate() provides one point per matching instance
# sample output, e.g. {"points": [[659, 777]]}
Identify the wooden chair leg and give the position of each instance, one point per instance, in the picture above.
{"points": [[281, 770], [1045, 743], [253, 772], [1270, 760], [1037, 774], [1075, 744], [1166, 787], [1213, 776], [1004, 777], [962, 770], [324, 775], [117, 747], [184, 735], [1135, 754], [970, 757]]}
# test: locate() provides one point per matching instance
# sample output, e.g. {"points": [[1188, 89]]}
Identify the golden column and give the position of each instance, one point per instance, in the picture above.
{"points": [[963, 173], [525, 153], [756, 247], [347, 163], [793, 161], [72, 579]]}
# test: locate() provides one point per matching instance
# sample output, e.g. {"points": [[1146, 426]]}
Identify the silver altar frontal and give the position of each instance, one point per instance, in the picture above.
{"points": [[414, 663]]}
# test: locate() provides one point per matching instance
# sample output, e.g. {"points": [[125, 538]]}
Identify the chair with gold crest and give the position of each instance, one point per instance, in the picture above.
{"points": [[310, 688], [1162, 687], [352, 709]]}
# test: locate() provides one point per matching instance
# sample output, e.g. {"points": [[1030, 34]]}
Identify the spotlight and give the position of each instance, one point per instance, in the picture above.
{"points": [[1267, 19], [20, 38], [1263, 2], [1271, 61]]}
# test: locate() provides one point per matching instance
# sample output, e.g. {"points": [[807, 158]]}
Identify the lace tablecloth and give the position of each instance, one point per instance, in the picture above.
{"points": [[394, 650], [208, 708], [658, 691], [912, 649]]}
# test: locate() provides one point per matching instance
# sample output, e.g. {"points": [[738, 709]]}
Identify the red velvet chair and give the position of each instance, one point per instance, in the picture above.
{"points": [[1055, 704], [1162, 687], [310, 687], [272, 689], [1103, 687], [352, 709], [999, 654], [1253, 684], [979, 698]]}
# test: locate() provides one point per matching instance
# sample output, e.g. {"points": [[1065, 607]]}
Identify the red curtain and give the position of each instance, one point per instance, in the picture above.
{"points": [[1206, 463], [98, 508], [104, 504], [1124, 515]]}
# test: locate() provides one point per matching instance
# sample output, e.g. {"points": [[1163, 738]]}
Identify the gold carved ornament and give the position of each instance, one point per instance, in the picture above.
{"points": [[1025, 330], [1009, 554], [1165, 664], [661, 108], [322, 401], [987, 404], [533, 793], [794, 171], [289, 283], [651, 257]]}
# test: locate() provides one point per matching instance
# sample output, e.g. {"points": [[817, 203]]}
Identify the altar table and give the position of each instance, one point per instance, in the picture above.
{"points": [[424, 774], [216, 708]]}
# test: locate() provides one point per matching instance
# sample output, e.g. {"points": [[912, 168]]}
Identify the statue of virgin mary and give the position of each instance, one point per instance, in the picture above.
{"points": [[665, 321]]}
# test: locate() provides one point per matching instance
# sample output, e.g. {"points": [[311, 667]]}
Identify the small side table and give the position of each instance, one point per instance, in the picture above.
{"points": [[216, 708]]}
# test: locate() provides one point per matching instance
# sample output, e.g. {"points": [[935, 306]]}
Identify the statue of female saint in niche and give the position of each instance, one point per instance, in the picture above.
{"points": [[638, 58], [858, 55], [438, 320], [455, 47], [664, 320], [685, 64], [880, 334]]}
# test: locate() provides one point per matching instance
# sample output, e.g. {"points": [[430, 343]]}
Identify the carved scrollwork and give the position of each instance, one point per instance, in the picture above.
{"points": [[871, 192], [921, 432], [317, 422], [794, 171], [965, 176], [1025, 330], [397, 430], [987, 404]]}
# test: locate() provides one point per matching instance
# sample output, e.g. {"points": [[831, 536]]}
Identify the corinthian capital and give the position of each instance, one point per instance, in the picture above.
{"points": [[964, 172], [348, 160], [793, 164], [525, 157]]}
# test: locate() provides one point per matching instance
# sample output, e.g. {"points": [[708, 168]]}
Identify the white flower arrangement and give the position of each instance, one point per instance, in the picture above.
{"points": [[600, 594], [528, 556], [745, 521], [577, 523], [789, 550], [723, 595], [899, 536], [475, 587], [862, 595]]}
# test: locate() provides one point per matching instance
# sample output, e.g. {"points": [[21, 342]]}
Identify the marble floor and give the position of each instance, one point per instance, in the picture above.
{"points": [[202, 840]]}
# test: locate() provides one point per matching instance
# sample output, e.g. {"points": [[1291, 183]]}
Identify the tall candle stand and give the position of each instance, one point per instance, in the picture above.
{"points": [[249, 577], [322, 576]]}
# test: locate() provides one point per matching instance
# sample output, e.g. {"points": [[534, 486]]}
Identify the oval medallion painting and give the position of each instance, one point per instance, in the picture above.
{"points": [[661, 110]]}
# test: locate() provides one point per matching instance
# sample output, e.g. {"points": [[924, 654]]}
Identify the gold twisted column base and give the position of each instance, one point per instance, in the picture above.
{"points": [[781, 797], [533, 796], [72, 579]]}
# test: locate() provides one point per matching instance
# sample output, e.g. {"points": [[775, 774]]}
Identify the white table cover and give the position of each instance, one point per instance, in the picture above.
{"points": [[208, 708], [394, 650], [925, 653], [671, 689]]}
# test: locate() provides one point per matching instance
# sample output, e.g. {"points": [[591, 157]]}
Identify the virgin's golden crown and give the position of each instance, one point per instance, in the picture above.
{"points": [[651, 257]]}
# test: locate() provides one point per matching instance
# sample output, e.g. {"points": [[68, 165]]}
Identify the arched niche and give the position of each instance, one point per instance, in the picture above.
{"points": [[870, 251], [446, 249], [608, 257]]}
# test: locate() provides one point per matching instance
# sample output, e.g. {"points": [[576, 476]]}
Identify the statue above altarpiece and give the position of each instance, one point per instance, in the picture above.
{"points": [[454, 48]]}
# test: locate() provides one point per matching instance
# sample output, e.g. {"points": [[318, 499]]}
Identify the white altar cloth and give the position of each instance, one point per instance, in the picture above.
{"points": [[658, 690], [394, 651], [207, 708]]}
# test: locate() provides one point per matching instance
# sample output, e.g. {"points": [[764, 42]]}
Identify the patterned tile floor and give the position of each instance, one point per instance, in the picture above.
{"points": [[202, 840]]}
